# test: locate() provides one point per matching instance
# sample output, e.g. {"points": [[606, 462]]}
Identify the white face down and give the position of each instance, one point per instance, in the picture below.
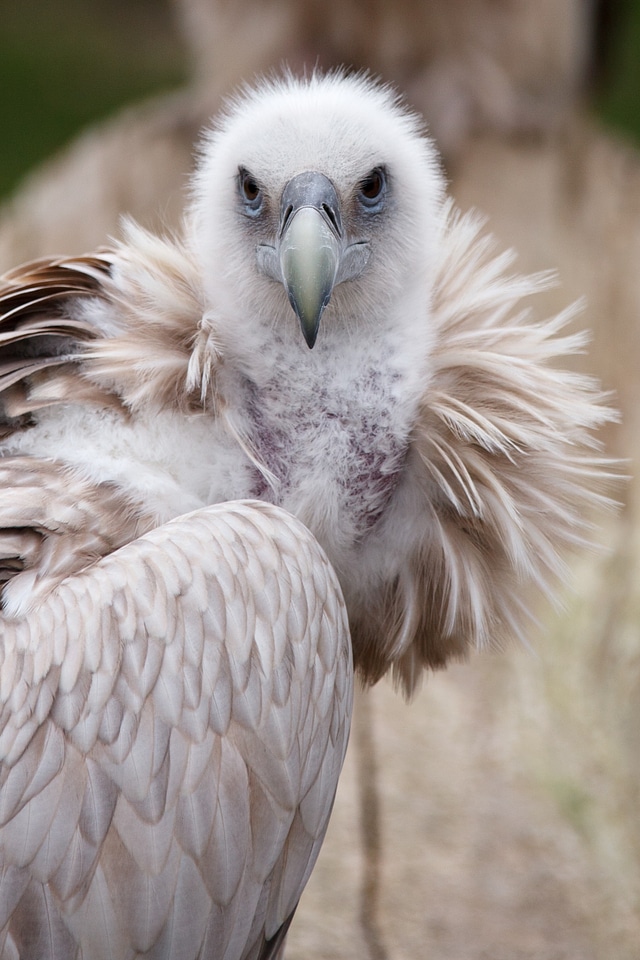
{"points": [[316, 218], [320, 198]]}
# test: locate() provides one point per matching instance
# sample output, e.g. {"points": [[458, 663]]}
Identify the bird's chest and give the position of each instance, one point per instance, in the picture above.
{"points": [[336, 449]]}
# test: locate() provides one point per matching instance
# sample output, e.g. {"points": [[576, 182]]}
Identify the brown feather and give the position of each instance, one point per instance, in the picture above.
{"points": [[40, 338]]}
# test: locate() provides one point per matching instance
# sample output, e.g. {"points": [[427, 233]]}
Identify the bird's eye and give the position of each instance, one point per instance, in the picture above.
{"points": [[250, 191], [372, 188], [250, 188]]}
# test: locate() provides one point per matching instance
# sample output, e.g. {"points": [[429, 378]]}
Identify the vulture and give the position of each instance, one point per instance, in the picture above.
{"points": [[320, 424]]}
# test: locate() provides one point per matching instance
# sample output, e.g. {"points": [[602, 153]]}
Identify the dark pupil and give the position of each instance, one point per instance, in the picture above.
{"points": [[372, 186], [250, 187]]}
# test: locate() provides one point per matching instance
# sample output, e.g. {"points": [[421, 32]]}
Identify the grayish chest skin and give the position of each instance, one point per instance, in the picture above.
{"points": [[352, 446], [334, 438]]}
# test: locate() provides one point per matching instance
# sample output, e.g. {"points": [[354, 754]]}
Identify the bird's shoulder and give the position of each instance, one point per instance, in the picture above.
{"points": [[108, 373], [244, 576], [123, 326]]}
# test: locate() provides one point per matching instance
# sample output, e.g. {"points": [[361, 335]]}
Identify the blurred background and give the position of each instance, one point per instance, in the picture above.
{"points": [[496, 817], [67, 63]]}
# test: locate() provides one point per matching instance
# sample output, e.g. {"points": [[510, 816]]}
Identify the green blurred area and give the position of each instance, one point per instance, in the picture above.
{"points": [[617, 97], [65, 63]]}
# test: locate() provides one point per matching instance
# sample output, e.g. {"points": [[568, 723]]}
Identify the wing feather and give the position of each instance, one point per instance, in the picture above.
{"points": [[54, 522], [150, 828], [40, 337]]}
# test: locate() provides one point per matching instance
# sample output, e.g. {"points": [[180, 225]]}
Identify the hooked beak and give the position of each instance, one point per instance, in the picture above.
{"points": [[310, 247], [309, 258], [311, 255]]}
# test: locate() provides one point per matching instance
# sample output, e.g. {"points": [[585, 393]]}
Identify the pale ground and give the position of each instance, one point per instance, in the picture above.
{"points": [[475, 862]]}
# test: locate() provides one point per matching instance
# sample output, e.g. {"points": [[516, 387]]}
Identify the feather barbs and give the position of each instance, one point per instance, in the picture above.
{"points": [[130, 321], [508, 442]]}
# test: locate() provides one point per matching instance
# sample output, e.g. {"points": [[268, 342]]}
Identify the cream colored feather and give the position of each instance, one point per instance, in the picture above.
{"points": [[173, 722]]}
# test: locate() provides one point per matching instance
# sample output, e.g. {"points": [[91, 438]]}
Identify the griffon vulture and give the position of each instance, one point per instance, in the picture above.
{"points": [[328, 335]]}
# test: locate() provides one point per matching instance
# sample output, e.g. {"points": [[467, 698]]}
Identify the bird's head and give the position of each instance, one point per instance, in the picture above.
{"points": [[313, 195]]}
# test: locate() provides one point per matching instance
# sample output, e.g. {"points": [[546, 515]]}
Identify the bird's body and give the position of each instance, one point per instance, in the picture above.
{"points": [[425, 440]]}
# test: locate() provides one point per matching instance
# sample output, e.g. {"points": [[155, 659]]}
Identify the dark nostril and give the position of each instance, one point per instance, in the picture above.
{"points": [[286, 217], [330, 213]]}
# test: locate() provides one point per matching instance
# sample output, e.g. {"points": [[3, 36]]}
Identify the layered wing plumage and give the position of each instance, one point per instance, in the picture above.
{"points": [[173, 722]]}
